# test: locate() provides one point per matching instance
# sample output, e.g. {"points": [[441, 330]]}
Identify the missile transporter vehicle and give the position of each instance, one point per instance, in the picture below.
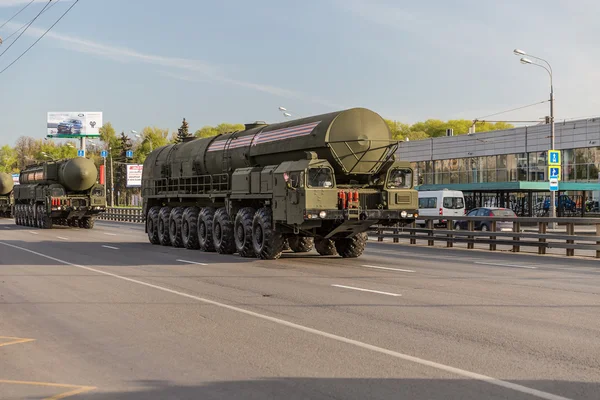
{"points": [[6, 195], [61, 192], [319, 182]]}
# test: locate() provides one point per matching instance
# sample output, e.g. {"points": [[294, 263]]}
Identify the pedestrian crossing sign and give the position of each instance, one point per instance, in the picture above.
{"points": [[554, 172]]}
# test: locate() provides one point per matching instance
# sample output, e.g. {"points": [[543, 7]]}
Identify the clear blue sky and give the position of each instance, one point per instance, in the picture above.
{"points": [[151, 62]]}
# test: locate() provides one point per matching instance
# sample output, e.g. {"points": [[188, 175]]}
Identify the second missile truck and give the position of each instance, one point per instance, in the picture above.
{"points": [[320, 181], [6, 198], [61, 192]]}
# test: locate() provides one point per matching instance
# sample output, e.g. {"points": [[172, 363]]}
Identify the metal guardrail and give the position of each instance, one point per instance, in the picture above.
{"points": [[515, 237], [122, 215]]}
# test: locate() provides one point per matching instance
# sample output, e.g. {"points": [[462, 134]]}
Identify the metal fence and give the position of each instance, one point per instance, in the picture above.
{"points": [[493, 236], [122, 214]]}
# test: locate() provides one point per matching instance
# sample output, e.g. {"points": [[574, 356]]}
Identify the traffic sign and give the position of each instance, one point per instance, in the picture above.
{"points": [[554, 157], [104, 153], [554, 185], [129, 153], [554, 172], [80, 153]]}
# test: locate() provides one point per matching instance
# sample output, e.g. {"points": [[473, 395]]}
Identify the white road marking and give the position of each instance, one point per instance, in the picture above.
{"points": [[32, 232], [432, 364], [506, 265], [191, 262], [110, 234], [62, 238], [368, 290], [387, 268], [110, 247]]}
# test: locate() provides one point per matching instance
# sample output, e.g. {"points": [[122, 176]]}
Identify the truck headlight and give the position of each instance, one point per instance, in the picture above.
{"points": [[322, 214], [403, 214]]}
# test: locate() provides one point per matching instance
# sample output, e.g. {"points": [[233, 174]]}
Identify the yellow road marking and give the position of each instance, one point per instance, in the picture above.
{"points": [[14, 340], [77, 389]]}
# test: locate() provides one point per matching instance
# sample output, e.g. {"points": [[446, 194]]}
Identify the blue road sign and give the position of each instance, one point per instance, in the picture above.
{"points": [[104, 153], [80, 153], [554, 157], [554, 185], [554, 172], [129, 153]]}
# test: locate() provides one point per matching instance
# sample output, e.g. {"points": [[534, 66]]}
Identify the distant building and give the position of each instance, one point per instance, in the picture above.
{"points": [[509, 168]]}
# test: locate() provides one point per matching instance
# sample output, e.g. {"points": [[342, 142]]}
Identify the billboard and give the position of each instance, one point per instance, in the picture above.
{"points": [[134, 175], [77, 124]]}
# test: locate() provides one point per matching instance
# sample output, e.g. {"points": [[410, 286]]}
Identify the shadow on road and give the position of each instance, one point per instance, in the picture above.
{"points": [[347, 389]]}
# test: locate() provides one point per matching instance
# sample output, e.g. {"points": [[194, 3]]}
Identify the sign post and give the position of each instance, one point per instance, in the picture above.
{"points": [[553, 185], [554, 172]]}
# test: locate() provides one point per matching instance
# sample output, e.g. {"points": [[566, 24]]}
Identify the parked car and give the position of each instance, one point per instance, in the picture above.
{"points": [[487, 225], [563, 201], [441, 203], [71, 126]]}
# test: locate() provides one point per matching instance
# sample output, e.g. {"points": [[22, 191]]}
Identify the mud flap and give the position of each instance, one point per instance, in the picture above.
{"points": [[350, 228]]}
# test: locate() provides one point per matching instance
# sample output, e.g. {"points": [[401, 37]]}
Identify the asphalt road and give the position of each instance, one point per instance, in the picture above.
{"points": [[102, 314]]}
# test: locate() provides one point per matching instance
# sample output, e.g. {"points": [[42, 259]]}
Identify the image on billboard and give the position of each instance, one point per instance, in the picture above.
{"points": [[76, 124], [134, 175]]}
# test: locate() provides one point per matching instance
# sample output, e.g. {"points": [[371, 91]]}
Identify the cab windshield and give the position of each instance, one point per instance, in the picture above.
{"points": [[400, 179], [320, 177]]}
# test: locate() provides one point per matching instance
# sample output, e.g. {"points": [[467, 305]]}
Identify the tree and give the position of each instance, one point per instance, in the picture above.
{"points": [[153, 139], [208, 131], [8, 159], [183, 132]]}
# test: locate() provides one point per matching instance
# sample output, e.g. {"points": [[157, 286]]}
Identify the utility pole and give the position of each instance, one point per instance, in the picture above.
{"points": [[112, 186]]}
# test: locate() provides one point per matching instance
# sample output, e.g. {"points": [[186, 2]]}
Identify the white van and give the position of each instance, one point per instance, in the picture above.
{"points": [[441, 202]]}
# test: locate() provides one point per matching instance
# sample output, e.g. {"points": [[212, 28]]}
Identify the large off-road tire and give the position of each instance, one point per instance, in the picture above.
{"points": [[152, 225], [223, 237], [175, 222], [86, 223], [30, 221], [189, 228], [352, 247], [267, 242], [163, 226], [39, 216], [325, 247], [47, 222], [301, 244], [205, 229], [243, 232]]}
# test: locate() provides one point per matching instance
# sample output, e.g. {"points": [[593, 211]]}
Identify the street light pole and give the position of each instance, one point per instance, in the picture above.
{"points": [[525, 60]]}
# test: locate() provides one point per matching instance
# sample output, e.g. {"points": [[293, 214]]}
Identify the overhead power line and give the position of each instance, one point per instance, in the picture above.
{"points": [[40, 38], [27, 27], [26, 24], [18, 12], [513, 109]]}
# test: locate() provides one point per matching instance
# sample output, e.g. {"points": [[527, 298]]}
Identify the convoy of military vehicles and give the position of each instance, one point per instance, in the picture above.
{"points": [[319, 182]]}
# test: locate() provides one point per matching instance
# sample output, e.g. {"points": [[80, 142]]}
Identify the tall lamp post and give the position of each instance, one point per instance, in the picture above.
{"points": [[525, 60]]}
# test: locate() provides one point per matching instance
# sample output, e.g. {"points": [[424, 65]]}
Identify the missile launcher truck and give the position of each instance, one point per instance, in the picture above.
{"points": [[6, 195], [62, 192], [319, 182]]}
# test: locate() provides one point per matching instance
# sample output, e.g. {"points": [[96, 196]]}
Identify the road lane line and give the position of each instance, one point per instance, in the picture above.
{"points": [[14, 340], [387, 268], [342, 339], [110, 247], [32, 232], [368, 290], [191, 262], [76, 389], [504, 265], [110, 234], [62, 238]]}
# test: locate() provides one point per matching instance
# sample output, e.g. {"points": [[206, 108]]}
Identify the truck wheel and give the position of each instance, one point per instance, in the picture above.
{"points": [[223, 237], [152, 225], [243, 232], [189, 228], [87, 223], [352, 247], [47, 224], [30, 222], [175, 221], [267, 242], [325, 247], [301, 244], [205, 229], [163, 226]]}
